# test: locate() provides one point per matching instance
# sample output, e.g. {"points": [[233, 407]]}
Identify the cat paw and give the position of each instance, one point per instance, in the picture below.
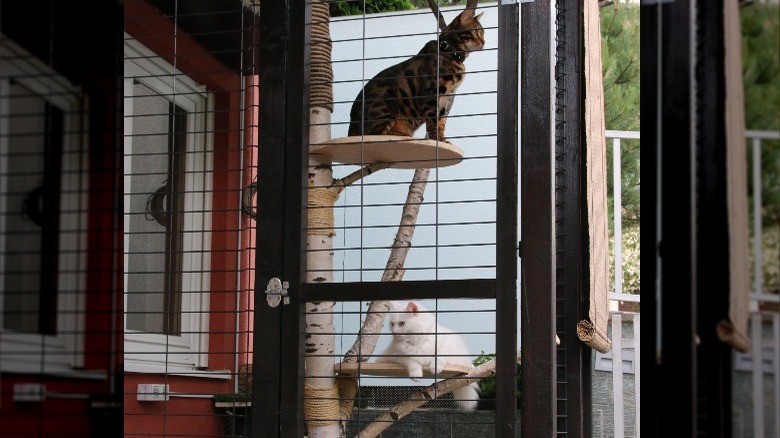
{"points": [[436, 366], [415, 374], [439, 366]]}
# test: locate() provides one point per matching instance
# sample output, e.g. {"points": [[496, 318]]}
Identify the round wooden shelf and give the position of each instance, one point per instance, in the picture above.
{"points": [[394, 370], [399, 151]]}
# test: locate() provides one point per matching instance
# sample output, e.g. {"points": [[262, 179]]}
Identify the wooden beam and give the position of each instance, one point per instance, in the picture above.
{"points": [[506, 226], [538, 387]]}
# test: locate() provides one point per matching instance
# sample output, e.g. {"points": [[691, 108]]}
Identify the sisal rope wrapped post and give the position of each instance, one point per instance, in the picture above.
{"points": [[319, 404], [320, 211], [321, 91]]}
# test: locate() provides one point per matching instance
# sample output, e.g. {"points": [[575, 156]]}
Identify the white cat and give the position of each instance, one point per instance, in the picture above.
{"points": [[415, 346]]}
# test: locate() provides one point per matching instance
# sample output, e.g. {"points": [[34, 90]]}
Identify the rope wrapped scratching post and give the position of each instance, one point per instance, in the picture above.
{"points": [[319, 406], [321, 91], [321, 201]]}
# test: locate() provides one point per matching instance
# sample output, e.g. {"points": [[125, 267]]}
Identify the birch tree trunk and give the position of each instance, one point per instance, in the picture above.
{"points": [[321, 410]]}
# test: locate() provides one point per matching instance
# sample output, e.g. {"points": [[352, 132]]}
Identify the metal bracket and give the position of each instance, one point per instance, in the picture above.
{"points": [[276, 291]]}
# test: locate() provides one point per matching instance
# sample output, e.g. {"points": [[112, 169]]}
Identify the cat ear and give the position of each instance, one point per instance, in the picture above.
{"points": [[479, 16], [412, 307]]}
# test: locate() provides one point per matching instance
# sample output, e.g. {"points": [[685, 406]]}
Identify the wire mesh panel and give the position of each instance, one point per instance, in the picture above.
{"points": [[403, 219], [454, 237], [59, 364], [190, 154]]}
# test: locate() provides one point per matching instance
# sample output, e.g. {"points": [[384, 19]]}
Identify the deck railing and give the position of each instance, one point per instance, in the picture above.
{"points": [[757, 415], [763, 360], [626, 409]]}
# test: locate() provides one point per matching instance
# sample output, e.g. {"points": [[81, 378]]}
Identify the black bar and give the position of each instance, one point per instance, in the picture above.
{"points": [[649, 35], [296, 161], [506, 227], [396, 290], [538, 386], [571, 232], [713, 273], [267, 370], [675, 370]]}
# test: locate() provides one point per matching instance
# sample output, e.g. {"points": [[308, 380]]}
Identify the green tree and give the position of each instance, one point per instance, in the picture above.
{"points": [[357, 7], [761, 70], [620, 50]]}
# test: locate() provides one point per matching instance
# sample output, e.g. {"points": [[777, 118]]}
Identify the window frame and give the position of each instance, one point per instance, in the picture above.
{"points": [[148, 352], [63, 352]]}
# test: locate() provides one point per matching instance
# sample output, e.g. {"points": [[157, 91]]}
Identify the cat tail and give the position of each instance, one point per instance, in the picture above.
{"points": [[467, 397]]}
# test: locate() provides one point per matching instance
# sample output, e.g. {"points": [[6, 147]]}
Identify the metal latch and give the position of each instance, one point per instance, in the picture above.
{"points": [[276, 291]]}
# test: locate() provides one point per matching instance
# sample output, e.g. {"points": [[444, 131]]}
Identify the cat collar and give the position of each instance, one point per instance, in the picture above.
{"points": [[446, 47]]}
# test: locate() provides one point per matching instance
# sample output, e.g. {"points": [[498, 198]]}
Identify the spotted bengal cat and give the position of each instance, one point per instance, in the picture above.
{"points": [[420, 89]]}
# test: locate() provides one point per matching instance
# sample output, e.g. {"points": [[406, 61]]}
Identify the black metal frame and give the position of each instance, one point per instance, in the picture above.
{"points": [[667, 106], [571, 233], [714, 369]]}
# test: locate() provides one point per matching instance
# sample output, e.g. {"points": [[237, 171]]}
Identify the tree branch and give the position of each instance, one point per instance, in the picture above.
{"points": [[368, 336], [342, 183], [427, 394]]}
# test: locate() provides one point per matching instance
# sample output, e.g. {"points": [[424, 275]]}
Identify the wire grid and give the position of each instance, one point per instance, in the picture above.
{"points": [[190, 166], [59, 361], [455, 232]]}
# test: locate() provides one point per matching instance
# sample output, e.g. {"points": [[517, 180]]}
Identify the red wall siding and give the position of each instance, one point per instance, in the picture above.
{"points": [[52, 417], [179, 416], [195, 417]]}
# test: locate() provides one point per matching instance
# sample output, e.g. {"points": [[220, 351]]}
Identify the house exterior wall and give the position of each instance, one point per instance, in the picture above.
{"points": [[190, 409], [86, 400]]}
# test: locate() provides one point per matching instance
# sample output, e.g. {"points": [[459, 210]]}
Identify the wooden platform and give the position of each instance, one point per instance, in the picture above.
{"points": [[394, 370], [402, 152]]}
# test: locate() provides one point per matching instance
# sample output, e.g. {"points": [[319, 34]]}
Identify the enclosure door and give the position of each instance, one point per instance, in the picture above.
{"points": [[284, 168]]}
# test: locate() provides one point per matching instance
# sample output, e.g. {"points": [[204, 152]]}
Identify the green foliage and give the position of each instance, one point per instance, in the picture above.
{"points": [[761, 70], [761, 65], [620, 50], [630, 254], [356, 7], [487, 386], [620, 65]]}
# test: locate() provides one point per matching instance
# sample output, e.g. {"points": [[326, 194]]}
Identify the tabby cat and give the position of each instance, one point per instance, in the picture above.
{"points": [[420, 89]]}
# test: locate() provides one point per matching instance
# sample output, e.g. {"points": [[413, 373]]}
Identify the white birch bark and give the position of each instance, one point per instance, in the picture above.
{"points": [[320, 332]]}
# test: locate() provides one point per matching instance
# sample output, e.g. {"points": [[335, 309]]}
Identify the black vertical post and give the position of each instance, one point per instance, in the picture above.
{"points": [[266, 373], [538, 388], [278, 366], [649, 34], [506, 205], [571, 234], [713, 275], [668, 108], [295, 185]]}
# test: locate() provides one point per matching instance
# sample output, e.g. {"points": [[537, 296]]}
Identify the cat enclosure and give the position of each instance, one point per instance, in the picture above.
{"points": [[280, 242]]}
